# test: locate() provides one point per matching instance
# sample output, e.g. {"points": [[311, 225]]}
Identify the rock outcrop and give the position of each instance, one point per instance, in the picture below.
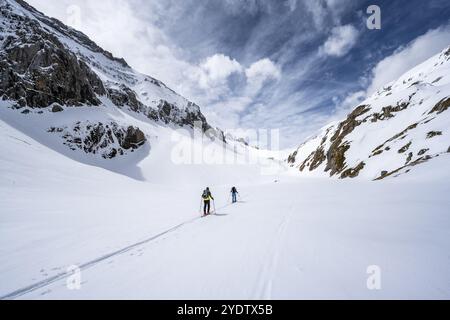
{"points": [[396, 129], [108, 140], [37, 70], [46, 65]]}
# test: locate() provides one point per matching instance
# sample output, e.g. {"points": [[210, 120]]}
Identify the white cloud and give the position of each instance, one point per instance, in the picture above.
{"points": [[393, 67], [260, 72], [223, 87], [341, 41], [216, 69], [115, 26], [263, 68]]}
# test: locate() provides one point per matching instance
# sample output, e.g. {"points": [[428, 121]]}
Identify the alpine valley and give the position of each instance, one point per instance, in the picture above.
{"points": [[99, 198]]}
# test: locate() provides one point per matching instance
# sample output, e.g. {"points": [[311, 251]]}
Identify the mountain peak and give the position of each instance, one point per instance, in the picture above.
{"points": [[47, 66]]}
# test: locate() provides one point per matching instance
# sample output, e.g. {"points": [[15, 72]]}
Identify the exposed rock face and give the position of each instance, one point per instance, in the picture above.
{"points": [[292, 157], [335, 154], [354, 172], [390, 133], [405, 148], [38, 70], [125, 97], [133, 138], [165, 112], [46, 64], [433, 134], [442, 106], [388, 112], [70, 33], [314, 160], [169, 113], [57, 108], [109, 140]]}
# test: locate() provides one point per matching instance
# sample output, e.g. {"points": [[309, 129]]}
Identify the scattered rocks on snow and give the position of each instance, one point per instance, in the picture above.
{"points": [[57, 108], [291, 158], [433, 134], [441, 106], [409, 158], [388, 112], [354, 172], [405, 148]]}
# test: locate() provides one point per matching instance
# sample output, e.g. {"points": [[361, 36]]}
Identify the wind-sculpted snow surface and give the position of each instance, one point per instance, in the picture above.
{"points": [[405, 124]]}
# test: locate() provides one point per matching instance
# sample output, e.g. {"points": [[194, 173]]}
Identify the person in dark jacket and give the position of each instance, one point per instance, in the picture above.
{"points": [[234, 194], [207, 197]]}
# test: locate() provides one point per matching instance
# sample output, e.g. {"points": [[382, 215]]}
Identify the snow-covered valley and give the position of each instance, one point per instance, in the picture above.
{"points": [[102, 170], [294, 238]]}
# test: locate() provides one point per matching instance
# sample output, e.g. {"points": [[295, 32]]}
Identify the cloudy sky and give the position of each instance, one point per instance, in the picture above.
{"points": [[293, 65]]}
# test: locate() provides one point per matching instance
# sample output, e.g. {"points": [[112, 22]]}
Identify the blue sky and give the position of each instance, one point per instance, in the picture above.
{"points": [[293, 65]]}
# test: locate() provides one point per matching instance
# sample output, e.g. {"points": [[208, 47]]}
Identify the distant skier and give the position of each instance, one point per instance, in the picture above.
{"points": [[207, 197], [234, 194]]}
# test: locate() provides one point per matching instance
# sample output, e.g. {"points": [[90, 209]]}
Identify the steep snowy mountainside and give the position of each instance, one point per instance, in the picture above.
{"points": [[47, 68], [32, 35], [403, 125]]}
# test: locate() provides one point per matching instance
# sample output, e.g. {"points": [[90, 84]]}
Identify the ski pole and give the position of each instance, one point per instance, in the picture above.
{"points": [[200, 210], [214, 204]]}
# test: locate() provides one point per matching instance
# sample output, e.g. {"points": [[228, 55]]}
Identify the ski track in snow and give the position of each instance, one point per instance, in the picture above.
{"points": [[17, 139], [267, 274], [44, 283], [63, 275]]}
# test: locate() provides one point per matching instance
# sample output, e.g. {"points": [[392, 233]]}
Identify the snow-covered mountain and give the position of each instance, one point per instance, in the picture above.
{"points": [[403, 125], [47, 68], [70, 110]]}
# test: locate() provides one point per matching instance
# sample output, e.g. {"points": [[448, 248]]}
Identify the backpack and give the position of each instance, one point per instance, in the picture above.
{"points": [[205, 195]]}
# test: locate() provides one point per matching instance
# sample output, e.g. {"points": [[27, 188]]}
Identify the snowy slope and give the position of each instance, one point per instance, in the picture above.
{"points": [[49, 69], [295, 238], [58, 211], [403, 125], [132, 222], [114, 72]]}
